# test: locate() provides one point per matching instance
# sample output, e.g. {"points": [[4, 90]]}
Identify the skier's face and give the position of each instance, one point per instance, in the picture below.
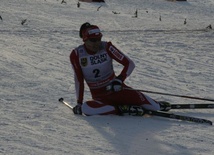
{"points": [[93, 44]]}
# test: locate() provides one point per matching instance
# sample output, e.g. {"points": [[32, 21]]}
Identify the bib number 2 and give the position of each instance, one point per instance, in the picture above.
{"points": [[96, 73]]}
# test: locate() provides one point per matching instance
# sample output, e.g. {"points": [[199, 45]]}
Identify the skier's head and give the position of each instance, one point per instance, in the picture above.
{"points": [[92, 33], [91, 36]]}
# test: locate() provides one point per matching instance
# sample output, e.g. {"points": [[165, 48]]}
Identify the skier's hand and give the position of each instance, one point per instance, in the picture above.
{"points": [[116, 85], [77, 109]]}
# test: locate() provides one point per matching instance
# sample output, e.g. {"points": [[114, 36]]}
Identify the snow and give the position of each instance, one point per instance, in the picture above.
{"points": [[170, 57]]}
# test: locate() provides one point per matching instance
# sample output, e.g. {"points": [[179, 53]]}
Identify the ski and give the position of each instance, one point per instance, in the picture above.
{"points": [[178, 117], [159, 113], [192, 106], [185, 106], [139, 111]]}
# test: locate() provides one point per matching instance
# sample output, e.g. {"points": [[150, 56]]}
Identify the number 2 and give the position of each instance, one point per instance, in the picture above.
{"points": [[96, 72]]}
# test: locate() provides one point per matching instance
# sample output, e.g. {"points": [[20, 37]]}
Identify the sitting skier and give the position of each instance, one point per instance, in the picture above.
{"points": [[93, 62]]}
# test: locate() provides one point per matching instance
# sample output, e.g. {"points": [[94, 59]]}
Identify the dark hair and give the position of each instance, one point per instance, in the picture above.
{"points": [[83, 27]]}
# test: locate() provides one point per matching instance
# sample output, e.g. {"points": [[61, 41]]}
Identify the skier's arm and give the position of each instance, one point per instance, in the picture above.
{"points": [[122, 59], [78, 76]]}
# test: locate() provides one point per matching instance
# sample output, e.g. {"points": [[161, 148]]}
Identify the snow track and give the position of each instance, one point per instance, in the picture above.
{"points": [[170, 57]]}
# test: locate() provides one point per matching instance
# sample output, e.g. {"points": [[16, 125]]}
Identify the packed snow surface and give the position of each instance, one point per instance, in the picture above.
{"points": [[171, 56]]}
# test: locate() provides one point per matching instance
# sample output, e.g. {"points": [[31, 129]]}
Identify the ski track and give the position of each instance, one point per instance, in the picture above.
{"points": [[35, 71]]}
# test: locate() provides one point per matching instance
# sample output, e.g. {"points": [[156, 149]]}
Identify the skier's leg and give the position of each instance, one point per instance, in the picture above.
{"points": [[150, 104], [98, 108]]}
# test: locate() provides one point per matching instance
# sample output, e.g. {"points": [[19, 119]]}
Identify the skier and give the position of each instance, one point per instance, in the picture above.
{"points": [[93, 62]]}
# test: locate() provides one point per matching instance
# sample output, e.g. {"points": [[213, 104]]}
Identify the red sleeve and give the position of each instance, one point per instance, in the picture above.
{"points": [[78, 76], [121, 58]]}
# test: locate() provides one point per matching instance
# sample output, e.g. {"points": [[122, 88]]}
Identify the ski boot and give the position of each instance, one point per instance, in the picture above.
{"points": [[164, 106], [131, 110]]}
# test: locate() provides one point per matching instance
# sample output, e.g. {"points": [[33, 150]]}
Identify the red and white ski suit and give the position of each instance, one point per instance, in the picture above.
{"points": [[97, 70]]}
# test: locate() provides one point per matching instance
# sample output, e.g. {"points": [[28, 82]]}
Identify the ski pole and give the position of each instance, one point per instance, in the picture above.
{"points": [[183, 96]]}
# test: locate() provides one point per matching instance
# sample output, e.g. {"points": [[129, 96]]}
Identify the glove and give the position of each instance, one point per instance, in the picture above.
{"points": [[77, 109], [116, 85]]}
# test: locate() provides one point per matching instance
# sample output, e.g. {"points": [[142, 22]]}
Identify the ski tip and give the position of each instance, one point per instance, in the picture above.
{"points": [[61, 99]]}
